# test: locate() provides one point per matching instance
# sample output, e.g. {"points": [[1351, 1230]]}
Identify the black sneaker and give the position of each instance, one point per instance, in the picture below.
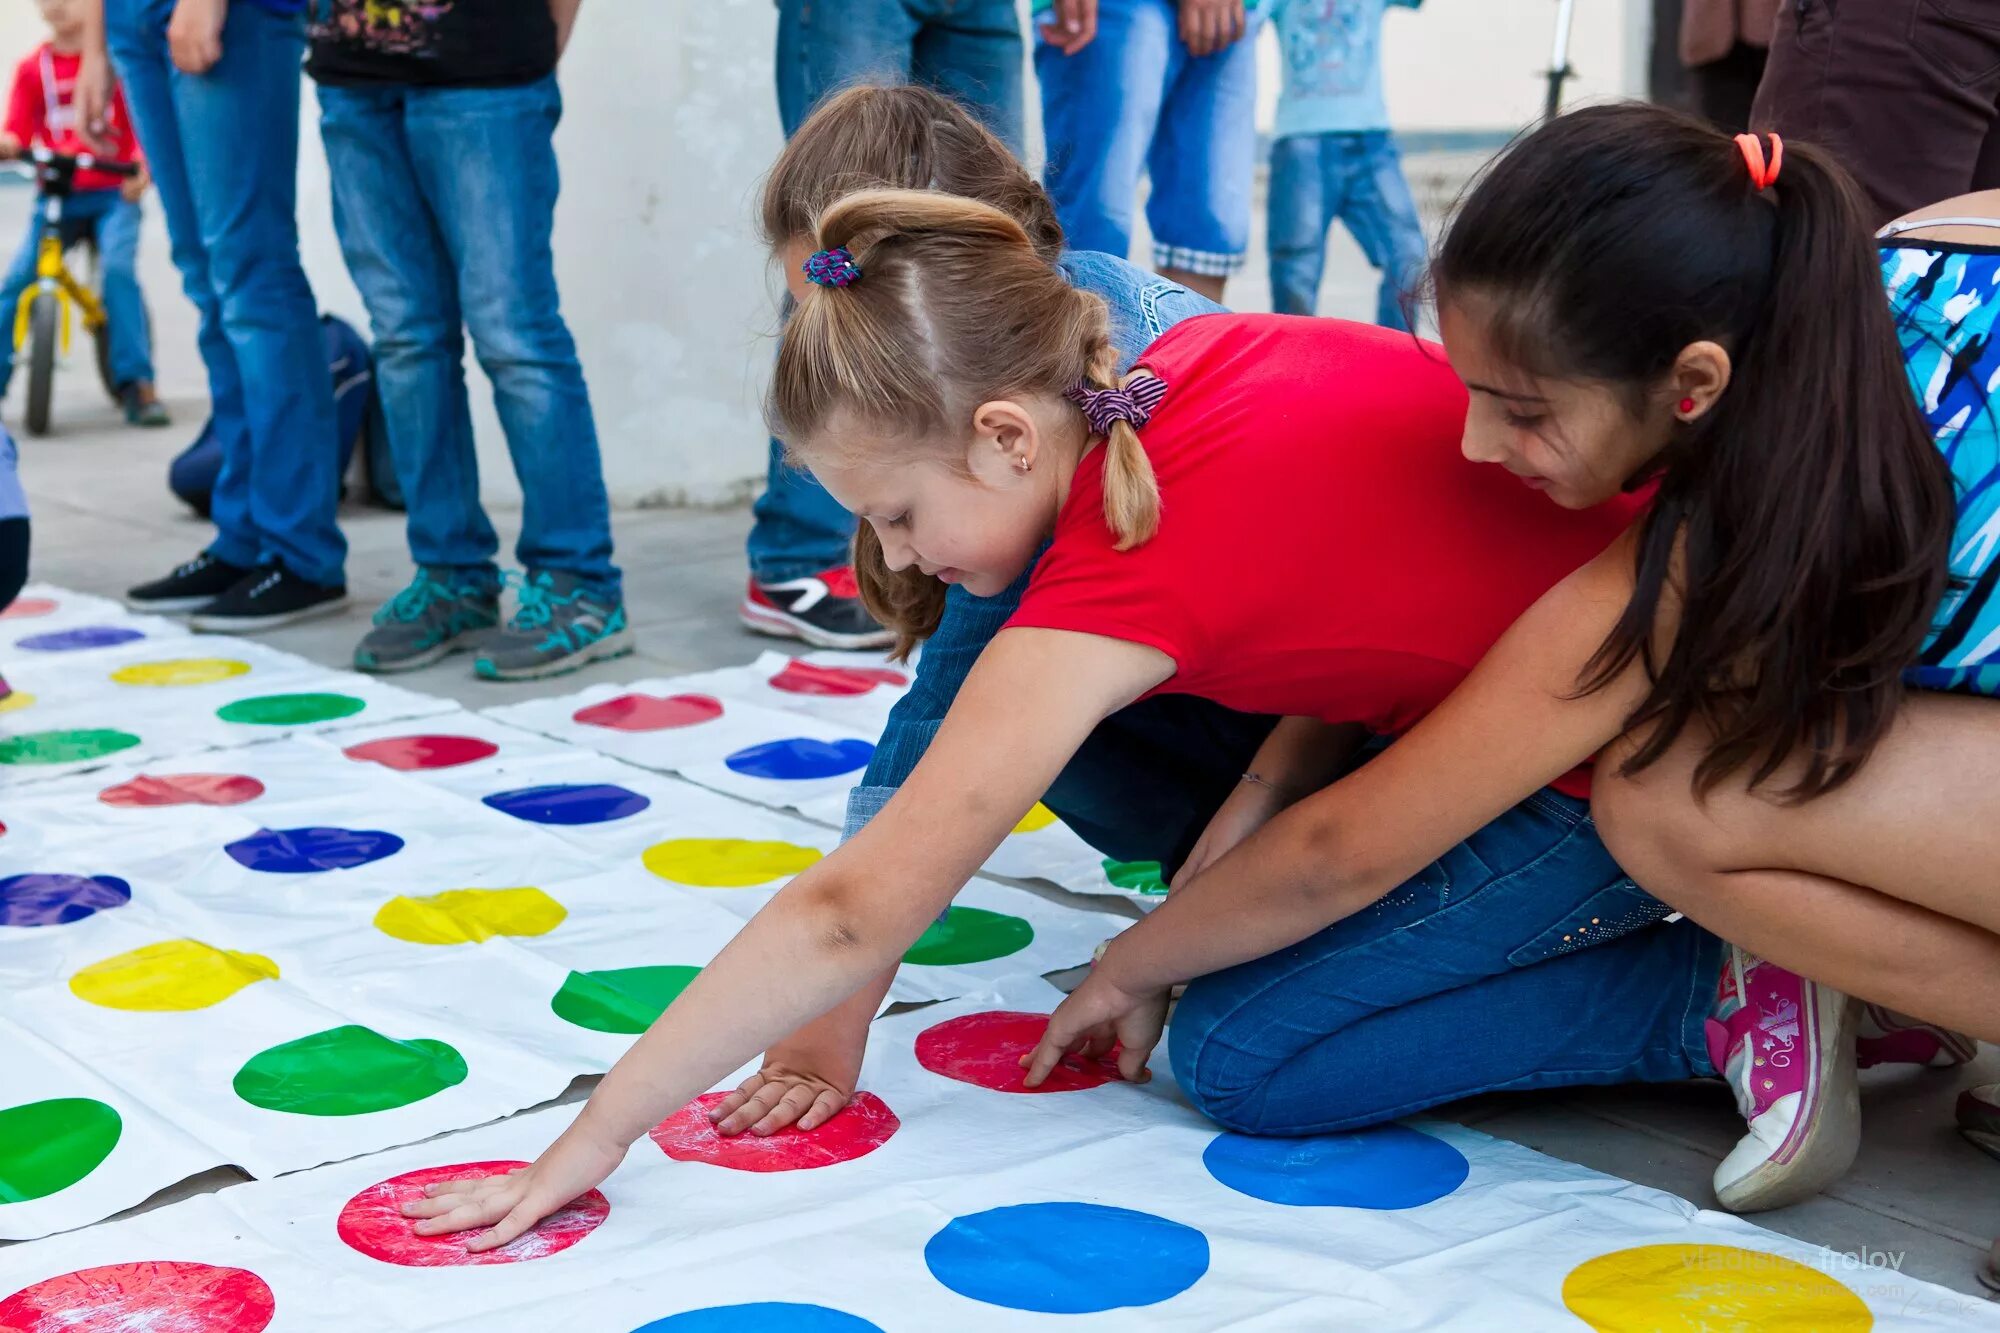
{"points": [[190, 587], [824, 609], [266, 598]]}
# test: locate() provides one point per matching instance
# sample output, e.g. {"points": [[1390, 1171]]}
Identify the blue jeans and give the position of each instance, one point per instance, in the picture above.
{"points": [[1523, 959], [1134, 100], [1357, 178], [223, 148], [970, 49], [443, 199], [113, 222]]}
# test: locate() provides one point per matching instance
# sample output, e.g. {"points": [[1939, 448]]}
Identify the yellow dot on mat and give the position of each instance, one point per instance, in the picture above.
{"points": [[726, 863], [16, 701], [181, 671], [169, 976], [1709, 1289], [1037, 819], [467, 916]]}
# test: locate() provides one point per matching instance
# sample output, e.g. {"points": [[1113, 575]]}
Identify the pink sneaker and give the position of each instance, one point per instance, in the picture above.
{"points": [[1785, 1045], [1885, 1037]]}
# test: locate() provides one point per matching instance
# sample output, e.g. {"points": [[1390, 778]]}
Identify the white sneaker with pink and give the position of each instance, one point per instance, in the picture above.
{"points": [[1786, 1047]]}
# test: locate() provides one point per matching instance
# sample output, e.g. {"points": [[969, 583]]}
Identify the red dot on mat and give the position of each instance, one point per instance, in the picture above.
{"points": [[27, 608], [650, 712], [164, 1295], [408, 753], [861, 1127], [985, 1050], [183, 789], [373, 1222], [813, 678]]}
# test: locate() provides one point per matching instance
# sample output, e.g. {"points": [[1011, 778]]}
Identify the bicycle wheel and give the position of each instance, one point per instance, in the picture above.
{"points": [[44, 318]]}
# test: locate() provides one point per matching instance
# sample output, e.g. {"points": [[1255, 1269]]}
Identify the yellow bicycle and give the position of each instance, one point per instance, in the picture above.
{"points": [[42, 319]]}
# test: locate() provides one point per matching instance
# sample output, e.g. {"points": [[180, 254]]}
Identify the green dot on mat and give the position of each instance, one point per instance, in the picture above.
{"points": [[970, 935], [290, 710], [1136, 876], [49, 1146], [347, 1071], [64, 747], [622, 999]]}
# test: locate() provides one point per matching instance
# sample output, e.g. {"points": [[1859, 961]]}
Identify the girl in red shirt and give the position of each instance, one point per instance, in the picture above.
{"points": [[1272, 513]]}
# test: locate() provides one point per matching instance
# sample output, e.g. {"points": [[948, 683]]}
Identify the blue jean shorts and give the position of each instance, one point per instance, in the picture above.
{"points": [[1133, 103]]}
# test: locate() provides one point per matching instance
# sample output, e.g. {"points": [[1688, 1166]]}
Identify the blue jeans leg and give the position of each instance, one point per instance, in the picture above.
{"points": [[1380, 211], [486, 159], [1480, 974], [400, 264], [1298, 214], [136, 33], [970, 49], [20, 276], [240, 132], [796, 527], [1204, 158], [117, 227], [1100, 111], [973, 52]]}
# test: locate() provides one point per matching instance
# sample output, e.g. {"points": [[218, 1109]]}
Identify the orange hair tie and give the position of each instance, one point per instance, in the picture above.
{"points": [[1752, 146]]}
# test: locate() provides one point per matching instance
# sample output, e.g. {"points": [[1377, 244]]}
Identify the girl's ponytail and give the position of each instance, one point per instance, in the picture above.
{"points": [[1131, 491]]}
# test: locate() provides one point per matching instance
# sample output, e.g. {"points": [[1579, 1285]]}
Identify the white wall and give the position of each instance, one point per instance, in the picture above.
{"points": [[671, 121]]}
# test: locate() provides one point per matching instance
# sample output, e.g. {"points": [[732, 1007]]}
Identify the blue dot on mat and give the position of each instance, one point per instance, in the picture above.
{"points": [[569, 803], [73, 640], [57, 900], [1385, 1167], [1066, 1258], [306, 851], [797, 758], [780, 1316]]}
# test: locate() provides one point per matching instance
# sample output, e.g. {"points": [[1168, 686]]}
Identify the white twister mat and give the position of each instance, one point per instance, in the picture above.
{"points": [[797, 734], [945, 1197], [286, 953]]}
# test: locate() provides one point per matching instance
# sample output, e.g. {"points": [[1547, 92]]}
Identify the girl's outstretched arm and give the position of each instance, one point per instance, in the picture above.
{"points": [[1514, 725], [1033, 698]]}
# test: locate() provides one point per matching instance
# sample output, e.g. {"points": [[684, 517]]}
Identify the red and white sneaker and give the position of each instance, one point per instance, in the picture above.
{"points": [[1885, 1037], [1785, 1045], [824, 609]]}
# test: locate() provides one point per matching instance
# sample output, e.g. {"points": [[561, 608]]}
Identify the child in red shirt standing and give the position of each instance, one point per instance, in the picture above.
{"points": [[40, 112]]}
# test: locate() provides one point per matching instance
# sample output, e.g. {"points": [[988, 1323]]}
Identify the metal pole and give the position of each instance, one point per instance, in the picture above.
{"points": [[1559, 66]]}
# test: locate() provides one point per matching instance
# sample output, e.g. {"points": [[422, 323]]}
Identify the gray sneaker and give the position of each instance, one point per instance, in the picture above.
{"points": [[440, 613], [563, 623]]}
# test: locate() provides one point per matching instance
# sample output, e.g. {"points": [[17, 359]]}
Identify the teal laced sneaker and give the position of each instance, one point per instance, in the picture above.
{"points": [[440, 613], [562, 624]]}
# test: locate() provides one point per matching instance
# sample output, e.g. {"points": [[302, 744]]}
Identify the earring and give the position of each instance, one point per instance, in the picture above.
{"points": [[1687, 406], [1024, 465]]}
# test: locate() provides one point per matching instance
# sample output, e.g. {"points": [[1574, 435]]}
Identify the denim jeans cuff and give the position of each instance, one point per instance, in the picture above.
{"points": [[863, 804], [1207, 263], [230, 552]]}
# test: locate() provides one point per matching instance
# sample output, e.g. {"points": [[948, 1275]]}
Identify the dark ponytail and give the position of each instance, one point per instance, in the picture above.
{"points": [[1803, 524]]}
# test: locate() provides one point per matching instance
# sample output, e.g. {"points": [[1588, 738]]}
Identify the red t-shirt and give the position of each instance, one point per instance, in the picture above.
{"points": [[1324, 549], [41, 109]]}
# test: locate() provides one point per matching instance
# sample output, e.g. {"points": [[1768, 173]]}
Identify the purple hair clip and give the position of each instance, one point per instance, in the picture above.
{"points": [[832, 268], [1103, 407]]}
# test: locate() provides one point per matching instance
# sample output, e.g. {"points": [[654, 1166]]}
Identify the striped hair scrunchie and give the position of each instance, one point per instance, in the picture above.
{"points": [[1103, 408]]}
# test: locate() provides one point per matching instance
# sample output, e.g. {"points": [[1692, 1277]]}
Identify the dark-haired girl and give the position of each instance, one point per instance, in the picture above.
{"points": [[1632, 298]]}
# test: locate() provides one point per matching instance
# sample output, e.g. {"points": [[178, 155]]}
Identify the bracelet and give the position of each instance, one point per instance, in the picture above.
{"points": [[1258, 779]]}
